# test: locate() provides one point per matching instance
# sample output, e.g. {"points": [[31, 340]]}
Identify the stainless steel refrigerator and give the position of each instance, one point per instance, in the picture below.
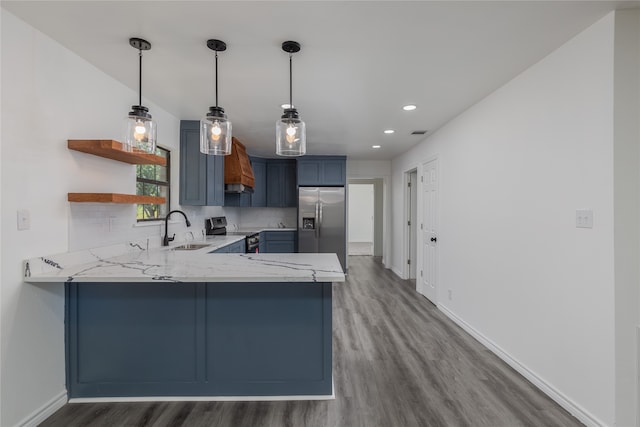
{"points": [[321, 221]]}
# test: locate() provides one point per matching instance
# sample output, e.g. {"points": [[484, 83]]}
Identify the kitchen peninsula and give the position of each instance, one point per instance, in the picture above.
{"points": [[164, 322]]}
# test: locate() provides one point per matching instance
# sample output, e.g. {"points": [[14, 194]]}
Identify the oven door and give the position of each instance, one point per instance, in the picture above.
{"points": [[252, 243]]}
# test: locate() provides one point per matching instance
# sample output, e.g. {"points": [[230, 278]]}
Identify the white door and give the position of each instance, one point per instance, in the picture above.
{"points": [[429, 231]]}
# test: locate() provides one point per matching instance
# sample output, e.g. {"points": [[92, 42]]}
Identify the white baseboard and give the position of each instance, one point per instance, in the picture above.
{"points": [[397, 273], [572, 407], [45, 411]]}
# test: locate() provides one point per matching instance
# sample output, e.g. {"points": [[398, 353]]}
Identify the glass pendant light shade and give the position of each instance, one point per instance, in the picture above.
{"points": [[291, 134], [140, 130], [215, 133], [215, 129]]}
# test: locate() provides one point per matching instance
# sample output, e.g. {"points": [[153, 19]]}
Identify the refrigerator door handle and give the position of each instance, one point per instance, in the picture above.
{"points": [[318, 220]]}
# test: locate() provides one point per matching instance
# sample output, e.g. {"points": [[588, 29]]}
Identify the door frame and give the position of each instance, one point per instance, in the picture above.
{"points": [[406, 230], [419, 254]]}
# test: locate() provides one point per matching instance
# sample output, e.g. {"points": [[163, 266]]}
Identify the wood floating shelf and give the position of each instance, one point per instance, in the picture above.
{"points": [[114, 198], [114, 150]]}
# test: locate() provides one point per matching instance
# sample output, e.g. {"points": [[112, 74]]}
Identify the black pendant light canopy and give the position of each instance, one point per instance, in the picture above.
{"points": [[215, 129], [140, 130], [291, 138]]}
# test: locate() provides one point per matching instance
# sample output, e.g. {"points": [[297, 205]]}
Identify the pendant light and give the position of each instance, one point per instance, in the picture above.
{"points": [[140, 129], [215, 129], [291, 135]]}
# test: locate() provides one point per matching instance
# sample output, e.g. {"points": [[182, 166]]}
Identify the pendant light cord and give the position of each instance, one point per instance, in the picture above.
{"points": [[140, 79], [216, 78], [290, 82]]}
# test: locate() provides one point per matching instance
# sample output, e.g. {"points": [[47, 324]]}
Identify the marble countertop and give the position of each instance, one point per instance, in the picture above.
{"points": [[133, 262]]}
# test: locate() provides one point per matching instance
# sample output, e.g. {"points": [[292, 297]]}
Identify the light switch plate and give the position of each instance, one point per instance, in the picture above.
{"points": [[24, 219], [584, 218]]}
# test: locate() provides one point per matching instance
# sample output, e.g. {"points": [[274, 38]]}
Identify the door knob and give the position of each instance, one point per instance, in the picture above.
{"points": [[434, 239]]}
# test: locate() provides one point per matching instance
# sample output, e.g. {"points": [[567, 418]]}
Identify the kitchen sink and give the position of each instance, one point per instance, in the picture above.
{"points": [[190, 246]]}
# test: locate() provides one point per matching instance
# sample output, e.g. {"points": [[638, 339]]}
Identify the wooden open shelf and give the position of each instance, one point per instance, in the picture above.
{"points": [[114, 150], [114, 198]]}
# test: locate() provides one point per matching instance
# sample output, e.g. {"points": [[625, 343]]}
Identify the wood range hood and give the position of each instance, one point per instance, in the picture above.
{"points": [[238, 174]]}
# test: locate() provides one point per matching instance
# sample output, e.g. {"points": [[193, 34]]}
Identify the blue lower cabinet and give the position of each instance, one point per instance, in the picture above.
{"points": [[198, 339], [279, 241]]}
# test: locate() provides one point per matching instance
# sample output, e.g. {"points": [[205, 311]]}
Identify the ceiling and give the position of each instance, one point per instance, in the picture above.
{"points": [[360, 61]]}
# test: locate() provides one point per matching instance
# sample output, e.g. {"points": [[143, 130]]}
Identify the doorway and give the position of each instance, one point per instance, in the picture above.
{"points": [[361, 219]]}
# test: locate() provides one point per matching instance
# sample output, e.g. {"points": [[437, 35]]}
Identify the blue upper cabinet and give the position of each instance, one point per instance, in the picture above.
{"points": [[322, 170], [281, 183], [201, 176], [259, 196]]}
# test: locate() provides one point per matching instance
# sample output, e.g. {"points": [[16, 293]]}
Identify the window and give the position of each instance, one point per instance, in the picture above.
{"points": [[154, 180]]}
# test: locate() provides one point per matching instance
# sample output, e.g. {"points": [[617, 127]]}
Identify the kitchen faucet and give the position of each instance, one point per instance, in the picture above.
{"points": [[167, 239]]}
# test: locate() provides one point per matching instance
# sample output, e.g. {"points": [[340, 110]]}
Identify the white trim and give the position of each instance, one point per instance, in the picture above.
{"points": [[396, 272], [560, 398], [45, 411]]}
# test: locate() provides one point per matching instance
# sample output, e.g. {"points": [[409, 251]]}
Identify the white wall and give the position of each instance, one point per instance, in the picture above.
{"points": [[627, 211], [513, 170], [361, 213], [50, 95]]}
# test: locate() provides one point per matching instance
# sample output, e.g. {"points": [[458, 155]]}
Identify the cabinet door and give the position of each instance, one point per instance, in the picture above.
{"points": [[309, 172], [281, 183], [215, 180], [333, 172], [259, 196], [193, 166], [322, 170], [274, 184], [237, 247], [289, 190], [201, 176], [280, 246]]}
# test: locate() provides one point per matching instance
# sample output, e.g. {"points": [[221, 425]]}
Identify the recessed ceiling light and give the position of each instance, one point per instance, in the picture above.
{"points": [[389, 131], [409, 107], [375, 146]]}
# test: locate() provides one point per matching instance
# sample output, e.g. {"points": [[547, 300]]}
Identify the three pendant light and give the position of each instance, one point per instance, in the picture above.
{"points": [[215, 128]]}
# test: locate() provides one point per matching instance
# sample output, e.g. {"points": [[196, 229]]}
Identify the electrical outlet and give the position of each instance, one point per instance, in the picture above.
{"points": [[584, 218]]}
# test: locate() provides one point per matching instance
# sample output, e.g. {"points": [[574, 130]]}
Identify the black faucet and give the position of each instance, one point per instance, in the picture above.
{"points": [[167, 239]]}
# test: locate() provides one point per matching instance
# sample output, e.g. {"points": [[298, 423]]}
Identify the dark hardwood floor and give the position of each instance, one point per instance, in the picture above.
{"points": [[398, 361]]}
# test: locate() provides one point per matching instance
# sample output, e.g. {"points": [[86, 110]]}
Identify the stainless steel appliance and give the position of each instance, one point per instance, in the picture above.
{"points": [[321, 221], [217, 226], [252, 242]]}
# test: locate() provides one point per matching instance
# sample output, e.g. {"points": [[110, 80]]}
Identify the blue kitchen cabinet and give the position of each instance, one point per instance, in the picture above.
{"points": [[259, 196], [238, 247], [281, 183], [201, 176], [322, 170], [278, 241]]}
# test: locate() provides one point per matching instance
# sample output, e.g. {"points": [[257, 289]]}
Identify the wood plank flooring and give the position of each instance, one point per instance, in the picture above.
{"points": [[398, 361]]}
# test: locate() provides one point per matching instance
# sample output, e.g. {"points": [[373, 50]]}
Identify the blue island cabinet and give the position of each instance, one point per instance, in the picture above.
{"points": [[198, 339]]}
